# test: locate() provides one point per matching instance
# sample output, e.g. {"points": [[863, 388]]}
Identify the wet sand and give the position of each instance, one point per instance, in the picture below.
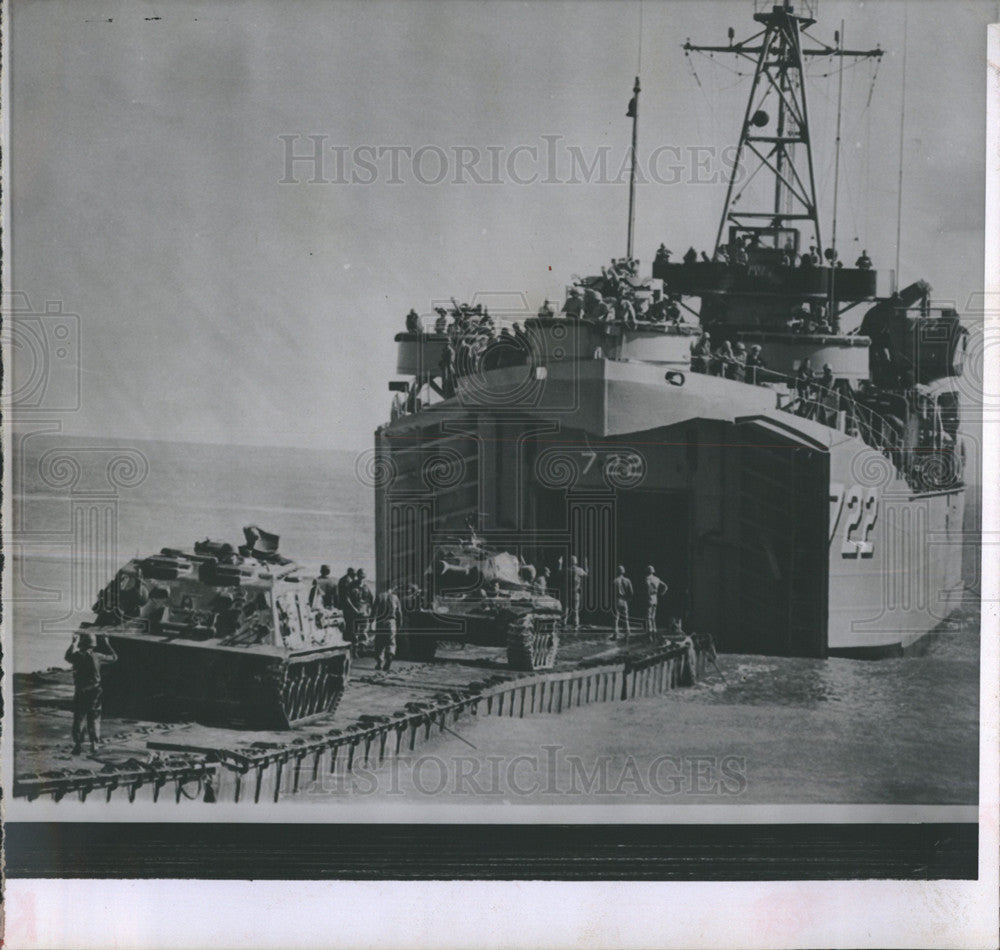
{"points": [[777, 731]]}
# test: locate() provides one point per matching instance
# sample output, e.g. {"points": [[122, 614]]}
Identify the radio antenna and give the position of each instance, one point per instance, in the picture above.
{"points": [[902, 125]]}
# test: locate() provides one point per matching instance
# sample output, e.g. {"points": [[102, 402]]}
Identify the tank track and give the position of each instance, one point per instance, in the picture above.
{"points": [[533, 643], [313, 688]]}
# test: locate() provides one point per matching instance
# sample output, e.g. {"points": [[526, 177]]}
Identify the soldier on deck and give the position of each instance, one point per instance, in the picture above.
{"points": [[804, 389], [690, 256], [654, 589], [574, 305], [755, 365], [441, 323], [625, 312], [739, 364], [545, 310], [657, 311], [324, 589], [413, 324], [623, 595], [828, 399], [701, 353], [662, 255], [591, 303], [722, 361], [804, 379], [864, 262]]}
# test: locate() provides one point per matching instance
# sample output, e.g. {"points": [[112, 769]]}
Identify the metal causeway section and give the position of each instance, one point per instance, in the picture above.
{"points": [[268, 771]]}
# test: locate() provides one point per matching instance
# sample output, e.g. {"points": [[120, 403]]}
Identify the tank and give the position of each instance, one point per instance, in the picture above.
{"points": [[475, 594], [221, 635]]}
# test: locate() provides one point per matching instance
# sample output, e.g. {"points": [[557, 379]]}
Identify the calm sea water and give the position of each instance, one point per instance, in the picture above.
{"points": [[70, 538]]}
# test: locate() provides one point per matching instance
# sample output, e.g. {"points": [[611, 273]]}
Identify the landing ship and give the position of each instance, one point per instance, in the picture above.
{"points": [[789, 513]]}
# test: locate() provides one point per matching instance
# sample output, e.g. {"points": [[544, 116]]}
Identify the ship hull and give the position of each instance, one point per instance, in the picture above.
{"points": [[774, 533]]}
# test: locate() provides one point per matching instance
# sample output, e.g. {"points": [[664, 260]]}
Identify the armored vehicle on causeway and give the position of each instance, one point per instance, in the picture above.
{"points": [[478, 595], [221, 635]]}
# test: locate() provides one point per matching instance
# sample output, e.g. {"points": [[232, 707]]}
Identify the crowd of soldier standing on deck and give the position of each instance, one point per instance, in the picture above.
{"points": [[618, 295]]}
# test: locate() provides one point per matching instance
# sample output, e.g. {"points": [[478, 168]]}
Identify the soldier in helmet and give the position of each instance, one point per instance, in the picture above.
{"points": [[574, 304], [324, 590], [86, 658], [739, 366], [344, 586], [701, 354], [361, 599], [657, 311], [654, 589], [755, 365], [625, 311], [387, 618], [574, 591], [623, 595]]}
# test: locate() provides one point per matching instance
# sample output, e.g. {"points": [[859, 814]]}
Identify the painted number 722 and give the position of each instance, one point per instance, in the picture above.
{"points": [[859, 508]]}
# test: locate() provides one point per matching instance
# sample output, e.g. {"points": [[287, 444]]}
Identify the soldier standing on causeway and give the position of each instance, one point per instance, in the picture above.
{"points": [[623, 594], [574, 591], [86, 661], [654, 588], [324, 589], [387, 618]]}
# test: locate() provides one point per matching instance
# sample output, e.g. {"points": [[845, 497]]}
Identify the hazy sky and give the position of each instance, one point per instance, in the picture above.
{"points": [[218, 303]]}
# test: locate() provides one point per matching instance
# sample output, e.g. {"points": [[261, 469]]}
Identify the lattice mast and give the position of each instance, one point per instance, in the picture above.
{"points": [[778, 84]]}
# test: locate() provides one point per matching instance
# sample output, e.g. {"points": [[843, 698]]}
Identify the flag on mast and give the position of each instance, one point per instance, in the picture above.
{"points": [[632, 105]]}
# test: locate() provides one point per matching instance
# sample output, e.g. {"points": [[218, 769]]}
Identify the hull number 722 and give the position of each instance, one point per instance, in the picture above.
{"points": [[859, 507]]}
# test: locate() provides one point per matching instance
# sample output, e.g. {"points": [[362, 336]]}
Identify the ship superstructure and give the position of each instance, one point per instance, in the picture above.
{"points": [[799, 488]]}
